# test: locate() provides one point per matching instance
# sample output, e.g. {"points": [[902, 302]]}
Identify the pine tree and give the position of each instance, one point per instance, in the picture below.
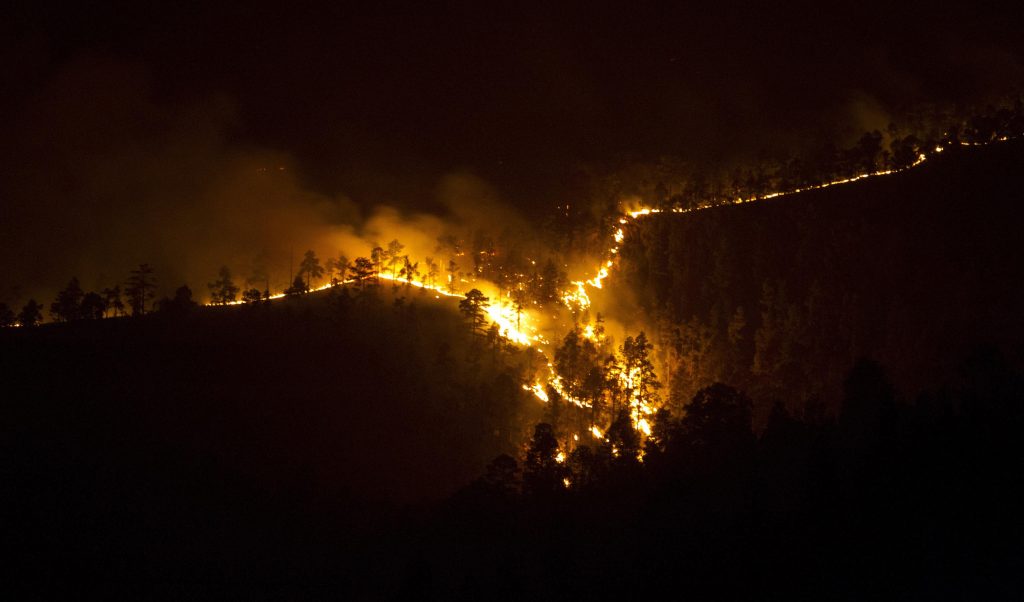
{"points": [[542, 472], [223, 290], [409, 270], [393, 257], [453, 271], [641, 382], [574, 360], [362, 271], [140, 288], [432, 271], [474, 307], [310, 268]]}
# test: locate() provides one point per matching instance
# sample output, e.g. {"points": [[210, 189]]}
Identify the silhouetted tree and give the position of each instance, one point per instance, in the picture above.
{"points": [[542, 473], [867, 154], [310, 268], [362, 271], [393, 257], [474, 307], [93, 307], [554, 408], [432, 272], [298, 287], [377, 257], [641, 382], [868, 399], [549, 283], [904, 151], [68, 305], [595, 385], [252, 296], [6, 316], [181, 303], [223, 290], [662, 430], [112, 300], [409, 270], [519, 296], [494, 337], [586, 466], [502, 476], [453, 272], [330, 269], [337, 266], [623, 440], [575, 358], [140, 288], [31, 314], [717, 423]]}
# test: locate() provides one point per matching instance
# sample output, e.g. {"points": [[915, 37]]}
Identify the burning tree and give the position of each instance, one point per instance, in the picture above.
{"points": [[639, 380], [574, 360]]}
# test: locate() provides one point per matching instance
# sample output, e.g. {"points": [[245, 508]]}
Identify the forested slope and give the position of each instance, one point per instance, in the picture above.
{"points": [[780, 297]]}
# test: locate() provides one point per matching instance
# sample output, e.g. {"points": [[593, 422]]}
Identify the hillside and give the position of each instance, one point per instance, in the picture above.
{"points": [[914, 270], [176, 441]]}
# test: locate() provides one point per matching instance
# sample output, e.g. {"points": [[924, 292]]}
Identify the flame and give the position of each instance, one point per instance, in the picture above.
{"points": [[538, 391], [588, 332], [643, 426]]}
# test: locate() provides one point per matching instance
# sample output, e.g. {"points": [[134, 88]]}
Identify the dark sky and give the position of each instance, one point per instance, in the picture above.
{"points": [[141, 108]]}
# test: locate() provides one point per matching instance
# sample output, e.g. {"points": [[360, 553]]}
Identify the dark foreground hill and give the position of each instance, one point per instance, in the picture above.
{"points": [[781, 297], [203, 446]]}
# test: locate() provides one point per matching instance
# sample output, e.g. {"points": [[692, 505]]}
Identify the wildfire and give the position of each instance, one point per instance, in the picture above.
{"points": [[519, 325]]}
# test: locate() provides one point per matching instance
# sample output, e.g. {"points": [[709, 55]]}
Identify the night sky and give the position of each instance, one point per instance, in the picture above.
{"points": [[123, 122]]}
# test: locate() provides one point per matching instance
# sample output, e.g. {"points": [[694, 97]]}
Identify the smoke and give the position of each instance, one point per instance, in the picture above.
{"points": [[102, 174]]}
